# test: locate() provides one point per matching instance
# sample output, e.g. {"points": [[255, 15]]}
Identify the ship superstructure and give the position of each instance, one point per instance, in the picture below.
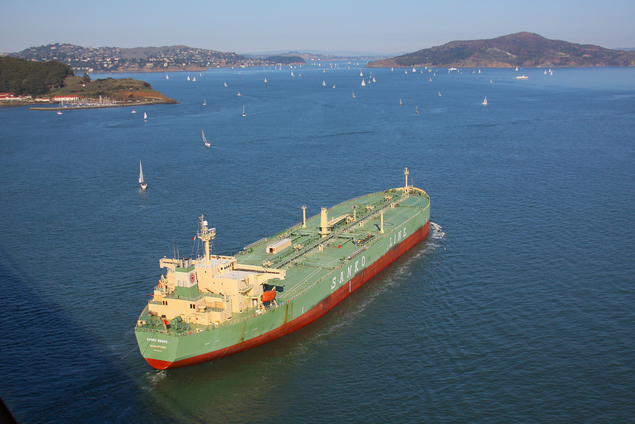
{"points": [[214, 305]]}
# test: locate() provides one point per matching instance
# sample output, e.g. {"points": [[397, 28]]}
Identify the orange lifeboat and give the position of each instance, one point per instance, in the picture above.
{"points": [[268, 296]]}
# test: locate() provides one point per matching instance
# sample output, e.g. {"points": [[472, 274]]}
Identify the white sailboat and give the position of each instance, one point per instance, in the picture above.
{"points": [[142, 182], [292, 74], [360, 73], [363, 83], [204, 139], [353, 94], [225, 84], [374, 79], [204, 102], [400, 102], [188, 77], [194, 79], [244, 114], [323, 83], [416, 109], [167, 77], [333, 85], [145, 116], [134, 111], [485, 101], [265, 79]]}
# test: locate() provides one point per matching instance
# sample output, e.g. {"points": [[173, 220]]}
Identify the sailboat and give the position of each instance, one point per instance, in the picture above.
{"points": [[188, 77], [400, 102], [439, 94], [204, 102], [292, 74], [360, 73], [244, 114], [204, 139], [194, 79], [323, 83], [353, 94], [416, 109], [485, 101], [363, 83], [134, 111], [142, 183], [145, 116], [225, 84], [59, 111], [265, 79], [374, 79], [167, 77]]}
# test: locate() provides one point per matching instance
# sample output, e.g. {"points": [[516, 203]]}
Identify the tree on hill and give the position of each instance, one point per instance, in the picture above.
{"points": [[19, 76]]}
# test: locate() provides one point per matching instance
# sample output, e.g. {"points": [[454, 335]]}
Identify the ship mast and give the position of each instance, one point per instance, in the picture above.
{"points": [[406, 173], [206, 235]]}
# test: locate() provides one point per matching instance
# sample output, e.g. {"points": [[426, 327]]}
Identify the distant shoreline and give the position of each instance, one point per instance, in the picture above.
{"points": [[52, 108]]}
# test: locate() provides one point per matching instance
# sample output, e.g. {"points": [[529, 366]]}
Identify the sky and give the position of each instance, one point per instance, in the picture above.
{"points": [[248, 26]]}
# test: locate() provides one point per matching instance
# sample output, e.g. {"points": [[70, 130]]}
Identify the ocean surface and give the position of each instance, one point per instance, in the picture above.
{"points": [[519, 307]]}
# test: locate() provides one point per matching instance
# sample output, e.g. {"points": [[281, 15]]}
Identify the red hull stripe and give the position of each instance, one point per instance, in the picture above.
{"points": [[307, 318]]}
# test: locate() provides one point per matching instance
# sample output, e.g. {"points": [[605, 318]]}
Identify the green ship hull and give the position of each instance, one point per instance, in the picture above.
{"points": [[319, 267]]}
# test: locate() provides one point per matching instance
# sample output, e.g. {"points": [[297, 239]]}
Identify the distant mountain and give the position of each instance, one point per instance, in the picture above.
{"points": [[522, 49], [138, 59], [322, 55]]}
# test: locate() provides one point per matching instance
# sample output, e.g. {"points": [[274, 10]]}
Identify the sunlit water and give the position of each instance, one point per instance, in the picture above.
{"points": [[518, 307]]}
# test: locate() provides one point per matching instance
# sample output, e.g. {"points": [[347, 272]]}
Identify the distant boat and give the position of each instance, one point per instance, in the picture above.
{"points": [[188, 77], [238, 94], [323, 83], [363, 83], [333, 85], [204, 102], [439, 94], [406, 72], [167, 77], [485, 101], [361, 74], [400, 102], [134, 111], [392, 69], [292, 74], [225, 84], [545, 72], [516, 68], [522, 77], [194, 79], [244, 114], [145, 116], [265, 79], [142, 182], [413, 69], [353, 94], [416, 109], [374, 79], [204, 139], [300, 74]]}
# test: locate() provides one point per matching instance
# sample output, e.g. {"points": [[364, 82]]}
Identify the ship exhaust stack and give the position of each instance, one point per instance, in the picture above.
{"points": [[303, 216], [324, 229]]}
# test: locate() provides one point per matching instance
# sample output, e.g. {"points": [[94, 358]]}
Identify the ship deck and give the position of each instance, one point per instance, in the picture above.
{"points": [[310, 257]]}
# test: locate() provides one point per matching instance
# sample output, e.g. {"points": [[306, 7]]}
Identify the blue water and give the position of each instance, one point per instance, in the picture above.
{"points": [[518, 308]]}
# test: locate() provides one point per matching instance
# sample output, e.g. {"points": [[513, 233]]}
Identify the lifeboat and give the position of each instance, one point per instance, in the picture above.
{"points": [[268, 296]]}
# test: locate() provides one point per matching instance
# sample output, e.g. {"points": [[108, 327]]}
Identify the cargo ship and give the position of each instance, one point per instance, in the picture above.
{"points": [[214, 306]]}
